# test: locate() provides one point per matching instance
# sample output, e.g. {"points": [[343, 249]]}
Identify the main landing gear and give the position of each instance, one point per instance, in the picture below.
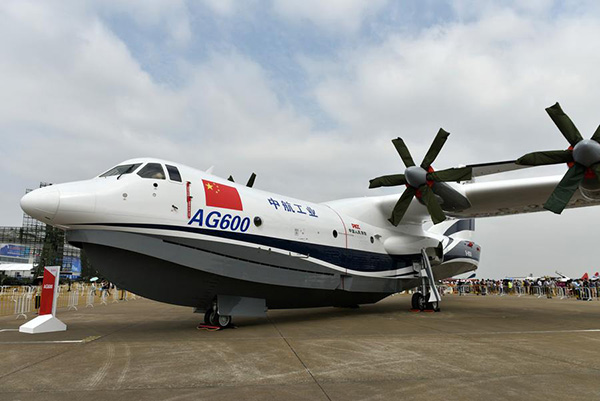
{"points": [[432, 299], [213, 318]]}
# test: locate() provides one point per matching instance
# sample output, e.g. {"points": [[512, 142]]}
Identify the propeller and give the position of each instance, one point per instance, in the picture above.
{"points": [[250, 182], [582, 157], [419, 180]]}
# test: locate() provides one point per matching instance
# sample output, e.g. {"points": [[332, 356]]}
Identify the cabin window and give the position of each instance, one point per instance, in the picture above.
{"points": [[152, 170], [122, 169], [174, 173]]}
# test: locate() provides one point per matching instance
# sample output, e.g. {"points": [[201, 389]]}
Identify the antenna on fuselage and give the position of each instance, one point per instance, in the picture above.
{"points": [[250, 182]]}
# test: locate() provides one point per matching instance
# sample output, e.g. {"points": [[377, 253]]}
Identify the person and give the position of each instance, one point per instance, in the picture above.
{"points": [[93, 289], [105, 288]]}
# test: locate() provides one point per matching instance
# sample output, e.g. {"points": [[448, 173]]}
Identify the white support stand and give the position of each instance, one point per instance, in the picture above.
{"points": [[43, 324], [47, 321]]}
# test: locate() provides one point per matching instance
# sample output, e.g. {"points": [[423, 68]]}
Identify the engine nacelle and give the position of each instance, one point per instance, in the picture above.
{"points": [[590, 189]]}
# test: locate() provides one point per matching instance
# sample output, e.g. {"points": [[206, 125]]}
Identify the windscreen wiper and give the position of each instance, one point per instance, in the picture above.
{"points": [[126, 171]]}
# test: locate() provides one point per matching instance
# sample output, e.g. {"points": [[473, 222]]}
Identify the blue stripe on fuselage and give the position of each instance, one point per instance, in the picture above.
{"points": [[347, 258]]}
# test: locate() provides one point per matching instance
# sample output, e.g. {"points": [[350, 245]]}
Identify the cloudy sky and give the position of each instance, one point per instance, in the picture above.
{"points": [[306, 93]]}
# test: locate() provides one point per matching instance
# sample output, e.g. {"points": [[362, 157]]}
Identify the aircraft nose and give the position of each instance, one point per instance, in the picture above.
{"points": [[42, 203]]}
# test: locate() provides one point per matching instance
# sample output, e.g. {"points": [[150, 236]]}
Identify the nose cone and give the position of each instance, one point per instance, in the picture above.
{"points": [[41, 204]]}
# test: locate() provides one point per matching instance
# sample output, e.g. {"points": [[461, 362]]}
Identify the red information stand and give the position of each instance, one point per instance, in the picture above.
{"points": [[46, 321]]}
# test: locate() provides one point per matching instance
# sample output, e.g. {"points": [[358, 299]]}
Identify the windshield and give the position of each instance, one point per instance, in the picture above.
{"points": [[152, 170], [122, 169]]}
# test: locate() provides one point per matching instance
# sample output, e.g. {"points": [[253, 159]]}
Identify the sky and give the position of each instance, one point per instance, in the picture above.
{"points": [[307, 94]]}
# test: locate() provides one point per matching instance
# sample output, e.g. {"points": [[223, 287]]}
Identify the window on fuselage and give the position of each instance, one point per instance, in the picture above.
{"points": [[174, 173], [122, 169], [152, 170]]}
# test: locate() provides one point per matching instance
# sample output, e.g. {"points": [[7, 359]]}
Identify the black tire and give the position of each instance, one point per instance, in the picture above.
{"points": [[434, 306], [421, 302], [224, 320], [207, 316], [214, 318], [414, 302]]}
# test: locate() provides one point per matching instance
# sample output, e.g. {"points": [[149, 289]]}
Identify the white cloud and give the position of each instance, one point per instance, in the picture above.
{"points": [[221, 7], [169, 16], [75, 100], [341, 16], [487, 79]]}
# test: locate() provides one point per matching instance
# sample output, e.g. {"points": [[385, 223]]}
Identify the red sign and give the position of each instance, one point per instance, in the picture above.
{"points": [[220, 195], [47, 292]]}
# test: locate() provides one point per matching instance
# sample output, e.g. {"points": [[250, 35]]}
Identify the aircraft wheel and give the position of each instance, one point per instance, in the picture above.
{"points": [[224, 320], [421, 302], [414, 302], [434, 306], [207, 316]]}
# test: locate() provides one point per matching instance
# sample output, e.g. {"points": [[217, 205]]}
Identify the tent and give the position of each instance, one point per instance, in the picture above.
{"points": [[24, 270]]}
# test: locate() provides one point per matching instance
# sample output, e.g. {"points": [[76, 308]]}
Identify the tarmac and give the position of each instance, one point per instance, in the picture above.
{"points": [[492, 348]]}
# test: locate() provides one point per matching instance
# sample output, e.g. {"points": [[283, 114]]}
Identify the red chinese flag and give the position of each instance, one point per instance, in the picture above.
{"points": [[220, 195]]}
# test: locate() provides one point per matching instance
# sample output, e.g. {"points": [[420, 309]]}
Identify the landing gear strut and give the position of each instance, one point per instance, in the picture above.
{"points": [[432, 300], [213, 318]]}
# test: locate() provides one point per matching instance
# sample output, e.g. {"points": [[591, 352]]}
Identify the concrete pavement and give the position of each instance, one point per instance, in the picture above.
{"points": [[492, 348]]}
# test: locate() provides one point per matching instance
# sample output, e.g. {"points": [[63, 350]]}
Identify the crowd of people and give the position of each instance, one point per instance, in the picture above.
{"points": [[550, 287]]}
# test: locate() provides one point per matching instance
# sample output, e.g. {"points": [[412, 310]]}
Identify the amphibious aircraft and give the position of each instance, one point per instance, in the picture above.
{"points": [[184, 236]]}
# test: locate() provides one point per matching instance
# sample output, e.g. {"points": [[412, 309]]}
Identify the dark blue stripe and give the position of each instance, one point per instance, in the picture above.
{"points": [[348, 258], [461, 225]]}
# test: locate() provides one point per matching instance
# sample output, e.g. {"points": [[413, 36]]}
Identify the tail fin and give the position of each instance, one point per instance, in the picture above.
{"points": [[459, 229]]}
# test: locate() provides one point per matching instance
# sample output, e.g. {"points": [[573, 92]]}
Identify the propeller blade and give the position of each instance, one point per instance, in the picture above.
{"points": [[596, 169], [403, 151], [250, 182], [564, 124], [565, 189], [596, 136], [230, 178], [546, 157], [402, 205], [433, 207], [387, 181], [434, 149], [451, 174]]}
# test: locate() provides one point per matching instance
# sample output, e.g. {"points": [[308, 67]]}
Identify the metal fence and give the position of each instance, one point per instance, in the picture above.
{"points": [[581, 293], [23, 301]]}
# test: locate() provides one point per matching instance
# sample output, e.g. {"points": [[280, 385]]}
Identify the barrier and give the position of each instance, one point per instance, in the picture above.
{"points": [[23, 305], [91, 297], [586, 294], [73, 300], [562, 292]]}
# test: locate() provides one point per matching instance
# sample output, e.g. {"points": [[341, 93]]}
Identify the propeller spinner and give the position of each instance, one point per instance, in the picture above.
{"points": [[582, 157], [420, 179]]}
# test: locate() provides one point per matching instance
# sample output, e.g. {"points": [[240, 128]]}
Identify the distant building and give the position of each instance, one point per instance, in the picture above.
{"points": [[23, 245], [17, 270]]}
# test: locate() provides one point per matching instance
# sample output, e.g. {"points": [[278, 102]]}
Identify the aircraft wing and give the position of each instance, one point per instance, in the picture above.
{"points": [[495, 167], [506, 197]]}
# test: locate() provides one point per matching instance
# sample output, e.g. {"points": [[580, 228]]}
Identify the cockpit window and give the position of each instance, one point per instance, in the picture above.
{"points": [[152, 170], [174, 173], [122, 169]]}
